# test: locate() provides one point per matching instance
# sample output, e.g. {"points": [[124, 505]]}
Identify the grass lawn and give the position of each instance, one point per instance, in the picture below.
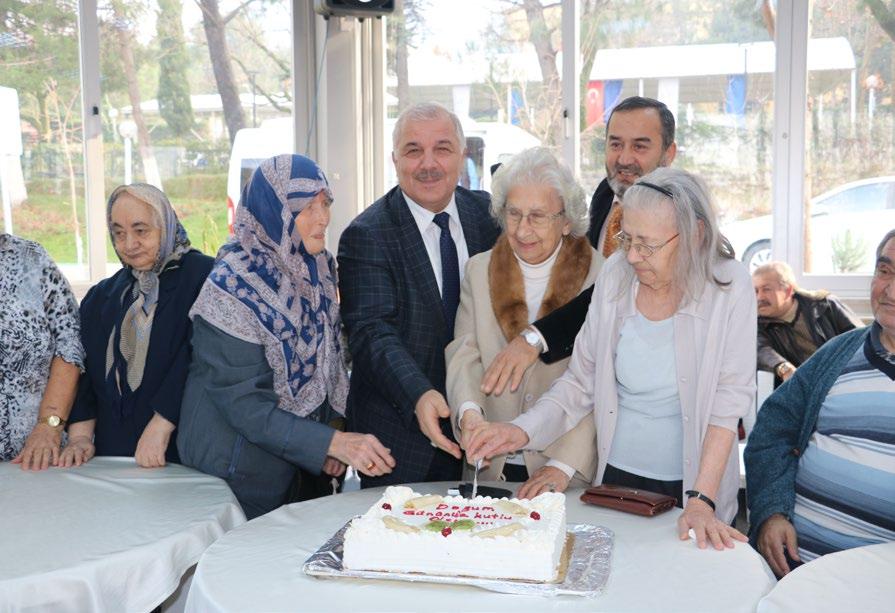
{"points": [[47, 219]]}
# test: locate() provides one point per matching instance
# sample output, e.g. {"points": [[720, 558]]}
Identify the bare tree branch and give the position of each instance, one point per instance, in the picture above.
{"points": [[263, 92], [884, 15], [235, 12]]}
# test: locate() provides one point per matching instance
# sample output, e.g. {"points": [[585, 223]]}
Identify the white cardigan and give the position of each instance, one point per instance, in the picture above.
{"points": [[715, 347]]}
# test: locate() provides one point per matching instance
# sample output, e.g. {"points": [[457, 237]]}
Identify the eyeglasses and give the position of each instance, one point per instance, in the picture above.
{"points": [[537, 219], [642, 249]]}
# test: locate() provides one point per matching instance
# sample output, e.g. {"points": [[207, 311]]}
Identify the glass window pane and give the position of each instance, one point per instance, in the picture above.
{"points": [[479, 58], [194, 101], [712, 64], [41, 155], [850, 149]]}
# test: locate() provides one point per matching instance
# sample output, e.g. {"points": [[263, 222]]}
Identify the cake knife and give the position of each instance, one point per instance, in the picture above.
{"points": [[475, 478]]}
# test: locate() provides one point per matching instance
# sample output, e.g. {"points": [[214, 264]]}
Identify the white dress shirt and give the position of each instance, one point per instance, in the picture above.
{"points": [[431, 234]]}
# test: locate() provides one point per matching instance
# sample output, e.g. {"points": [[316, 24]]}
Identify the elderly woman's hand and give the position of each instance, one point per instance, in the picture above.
{"points": [[545, 479], [78, 451], [700, 517], [509, 366], [41, 448], [153, 442], [491, 439], [363, 451]]}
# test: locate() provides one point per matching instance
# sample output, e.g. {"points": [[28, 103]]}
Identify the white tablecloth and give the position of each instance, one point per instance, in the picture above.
{"points": [[107, 536], [258, 567], [860, 579]]}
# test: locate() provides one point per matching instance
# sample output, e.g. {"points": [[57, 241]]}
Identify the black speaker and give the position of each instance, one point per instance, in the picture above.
{"points": [[354, 8]]}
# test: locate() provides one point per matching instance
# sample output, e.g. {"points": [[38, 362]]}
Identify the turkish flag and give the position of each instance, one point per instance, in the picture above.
{"points": [[594, 102]]}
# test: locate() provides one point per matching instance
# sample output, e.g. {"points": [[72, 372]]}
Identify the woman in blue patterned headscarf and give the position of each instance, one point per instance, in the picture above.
{"points": [[136, 331], [268, 376]]}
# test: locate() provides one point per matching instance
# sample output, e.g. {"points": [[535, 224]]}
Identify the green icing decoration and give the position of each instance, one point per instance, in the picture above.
{"points": [[436, 525]]}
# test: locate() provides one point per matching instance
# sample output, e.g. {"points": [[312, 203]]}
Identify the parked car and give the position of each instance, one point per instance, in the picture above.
{"points": [[846, 224]]}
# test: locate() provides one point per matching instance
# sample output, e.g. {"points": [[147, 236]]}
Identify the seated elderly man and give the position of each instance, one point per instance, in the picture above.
{"points": [[792, 322], [820, 463]]}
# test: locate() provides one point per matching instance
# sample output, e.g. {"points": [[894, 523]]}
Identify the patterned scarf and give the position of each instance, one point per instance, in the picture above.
{"points": [[266, 289], [132, 331]]}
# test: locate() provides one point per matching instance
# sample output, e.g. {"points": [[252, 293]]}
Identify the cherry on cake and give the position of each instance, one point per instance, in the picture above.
{"points": [[405, 531]]}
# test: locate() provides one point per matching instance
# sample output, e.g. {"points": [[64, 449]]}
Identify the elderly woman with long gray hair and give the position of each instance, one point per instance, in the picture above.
{"points": [[665, 362], [541, 260]]}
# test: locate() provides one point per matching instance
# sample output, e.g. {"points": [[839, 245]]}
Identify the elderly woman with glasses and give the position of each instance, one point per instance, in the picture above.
{"points": [[665, 362], [540, 262]]}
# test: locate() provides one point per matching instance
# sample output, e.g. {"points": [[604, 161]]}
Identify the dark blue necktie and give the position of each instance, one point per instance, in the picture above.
{"points": [[450, 272]]}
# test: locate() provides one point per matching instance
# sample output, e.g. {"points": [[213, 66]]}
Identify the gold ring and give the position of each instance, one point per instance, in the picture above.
{"points": [[371, 465]]}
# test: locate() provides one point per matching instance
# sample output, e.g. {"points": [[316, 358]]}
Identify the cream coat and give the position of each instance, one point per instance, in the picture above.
{"points": [[477, 340], [714, 340]]}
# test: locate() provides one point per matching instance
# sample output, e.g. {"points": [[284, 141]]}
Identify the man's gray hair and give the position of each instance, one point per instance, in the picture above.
{"points": [[426, 111], [692, 204], [785, 276], [889, 236], [539, 166]]}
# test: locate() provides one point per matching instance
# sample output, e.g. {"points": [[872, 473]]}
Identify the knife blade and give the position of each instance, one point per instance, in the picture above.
{"points": [[475, 478]]}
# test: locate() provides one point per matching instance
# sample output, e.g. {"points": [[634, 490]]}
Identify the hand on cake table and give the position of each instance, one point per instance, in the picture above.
{"points": [[700, 518], [495, 438], [429, 409], [363, 451], [545, 479]]}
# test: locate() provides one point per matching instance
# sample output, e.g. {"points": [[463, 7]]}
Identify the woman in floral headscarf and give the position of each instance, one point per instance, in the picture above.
{"points": [[268, 377], [135, 330]]}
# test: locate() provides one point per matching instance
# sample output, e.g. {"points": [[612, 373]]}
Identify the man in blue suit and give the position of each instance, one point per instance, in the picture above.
{"points": [[400, 265]]}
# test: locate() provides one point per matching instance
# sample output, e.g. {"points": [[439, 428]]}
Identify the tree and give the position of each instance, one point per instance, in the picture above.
{"points": [[173, 86], [122, 25], [884, 15], [404, 26], [40, 41], [215, 26]]}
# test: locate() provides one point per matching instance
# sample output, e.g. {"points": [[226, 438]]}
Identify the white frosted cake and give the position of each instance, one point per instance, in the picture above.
{"points": [[449, 535]]}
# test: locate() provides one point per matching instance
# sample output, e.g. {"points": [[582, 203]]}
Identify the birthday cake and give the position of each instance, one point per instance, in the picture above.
{"points": [[448, 535]]}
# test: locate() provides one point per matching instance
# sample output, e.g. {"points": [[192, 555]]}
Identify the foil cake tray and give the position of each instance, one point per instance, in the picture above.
{"points": [[586, 574]]}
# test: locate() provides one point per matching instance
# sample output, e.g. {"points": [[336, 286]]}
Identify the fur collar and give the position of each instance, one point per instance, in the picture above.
{"points": [[508, 290]]}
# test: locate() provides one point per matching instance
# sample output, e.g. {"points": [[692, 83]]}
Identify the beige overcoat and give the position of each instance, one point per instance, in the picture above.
{"points": [[480, 335]]}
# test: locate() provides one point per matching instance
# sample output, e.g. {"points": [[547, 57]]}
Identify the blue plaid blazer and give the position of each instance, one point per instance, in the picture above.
{"points": [[391, 309]]}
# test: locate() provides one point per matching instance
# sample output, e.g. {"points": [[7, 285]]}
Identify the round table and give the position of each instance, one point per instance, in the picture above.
{"points": [[258, 567], [859, 579], [105, 536]]}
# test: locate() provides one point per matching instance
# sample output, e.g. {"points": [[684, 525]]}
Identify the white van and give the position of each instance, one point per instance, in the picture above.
{"points": [[487, 143], [251, 147]]}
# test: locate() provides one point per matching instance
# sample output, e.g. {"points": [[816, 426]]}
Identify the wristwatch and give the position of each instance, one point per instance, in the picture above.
{"points": [[532, 338], [54, 421], [782, 368]]}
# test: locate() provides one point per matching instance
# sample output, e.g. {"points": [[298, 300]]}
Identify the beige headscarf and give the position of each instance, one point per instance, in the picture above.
{"points": [[135, 327]]}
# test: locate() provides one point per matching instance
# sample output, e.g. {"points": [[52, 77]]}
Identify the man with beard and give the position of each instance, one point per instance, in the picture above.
{"points": [[639, 139], [400, 266]]}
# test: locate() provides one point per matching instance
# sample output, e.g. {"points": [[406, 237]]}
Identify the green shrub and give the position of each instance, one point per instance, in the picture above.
{"points": [[198, 187]]}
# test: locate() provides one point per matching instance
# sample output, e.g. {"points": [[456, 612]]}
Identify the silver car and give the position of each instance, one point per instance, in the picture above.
{"points": [[846, 224]]}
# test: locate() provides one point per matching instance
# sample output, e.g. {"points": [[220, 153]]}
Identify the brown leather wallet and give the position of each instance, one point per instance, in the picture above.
{"points": [[628, 499]]}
